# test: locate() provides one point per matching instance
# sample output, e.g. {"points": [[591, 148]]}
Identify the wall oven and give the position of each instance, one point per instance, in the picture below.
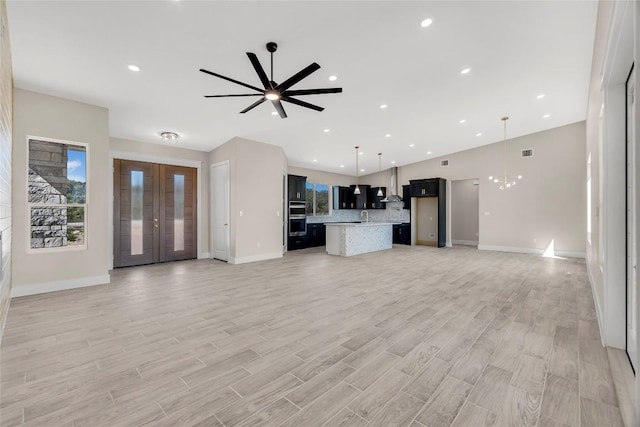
{"points": [[297, 210], [297, 226]]}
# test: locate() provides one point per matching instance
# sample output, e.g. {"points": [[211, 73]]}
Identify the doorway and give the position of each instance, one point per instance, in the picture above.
{"points": [[465, 207], [631, 268], [220, 211], [427, 221], [154, 213]]}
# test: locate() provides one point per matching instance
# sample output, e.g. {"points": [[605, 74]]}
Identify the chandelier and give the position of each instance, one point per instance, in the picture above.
{"points": [[505, 181]]}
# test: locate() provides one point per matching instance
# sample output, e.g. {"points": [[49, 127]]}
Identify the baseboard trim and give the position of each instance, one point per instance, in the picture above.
{"points": [[60, 285], [596, 302], [254, 258], [465, 242], [204, 255], [534, 251]]}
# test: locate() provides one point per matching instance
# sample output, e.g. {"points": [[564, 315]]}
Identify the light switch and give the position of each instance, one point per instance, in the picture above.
{"points": [[240, 213], [487, 213]]}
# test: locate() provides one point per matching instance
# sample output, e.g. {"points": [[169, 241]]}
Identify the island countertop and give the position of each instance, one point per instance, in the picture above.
{"points": [[354, 238]]}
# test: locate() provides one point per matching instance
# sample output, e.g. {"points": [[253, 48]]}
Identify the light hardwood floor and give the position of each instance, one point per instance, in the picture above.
{"points": [[414, 336]]}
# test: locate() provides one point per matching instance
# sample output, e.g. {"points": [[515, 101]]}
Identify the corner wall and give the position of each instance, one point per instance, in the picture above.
{"points": [[255, 198], [6, 143], [548, 205], [42, 115]]}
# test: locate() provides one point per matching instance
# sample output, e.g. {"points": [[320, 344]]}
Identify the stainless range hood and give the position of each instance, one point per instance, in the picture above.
{"points": [[394, 188]]}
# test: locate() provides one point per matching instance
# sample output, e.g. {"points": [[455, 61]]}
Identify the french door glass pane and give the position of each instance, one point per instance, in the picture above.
{"points": [[137, 210], [178, 212]]}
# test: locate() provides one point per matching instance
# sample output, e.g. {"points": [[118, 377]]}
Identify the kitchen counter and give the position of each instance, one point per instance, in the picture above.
{"points": [[353, 238]]}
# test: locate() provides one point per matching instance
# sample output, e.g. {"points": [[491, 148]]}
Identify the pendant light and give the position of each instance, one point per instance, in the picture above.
{"points": [[357, 190], [505, 182], [379, 194]]}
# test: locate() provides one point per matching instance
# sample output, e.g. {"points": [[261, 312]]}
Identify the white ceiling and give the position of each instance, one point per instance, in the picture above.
{"points": [[517, 50]]}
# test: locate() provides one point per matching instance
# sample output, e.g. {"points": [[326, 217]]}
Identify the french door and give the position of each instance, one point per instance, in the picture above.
{"points": [[154, 213], [632, 293]]}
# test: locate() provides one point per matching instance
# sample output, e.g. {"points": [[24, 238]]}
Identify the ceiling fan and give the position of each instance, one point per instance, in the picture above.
{"points": [[273, 91]]}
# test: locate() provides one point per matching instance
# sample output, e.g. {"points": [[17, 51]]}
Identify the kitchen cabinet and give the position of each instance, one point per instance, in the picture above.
{"points": [[359, 201], [406, 196], [316, 235], [373, 200], [402, 234], [342, 198], [425, 187], [296, 242], [297, 188]]}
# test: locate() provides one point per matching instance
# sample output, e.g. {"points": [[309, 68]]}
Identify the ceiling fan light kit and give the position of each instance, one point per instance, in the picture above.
{"points": [[275, 92]]}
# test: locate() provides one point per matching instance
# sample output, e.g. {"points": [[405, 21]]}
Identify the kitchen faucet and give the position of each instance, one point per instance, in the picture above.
{"points": [[364, 211]]}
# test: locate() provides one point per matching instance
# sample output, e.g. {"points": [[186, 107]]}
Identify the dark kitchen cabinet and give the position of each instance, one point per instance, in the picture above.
{"points": [[316, 235], [342, 198], [373, 200], [297, 188], [359, 200], [406, 196], [425, 187], [296, 242], [402, 234]]}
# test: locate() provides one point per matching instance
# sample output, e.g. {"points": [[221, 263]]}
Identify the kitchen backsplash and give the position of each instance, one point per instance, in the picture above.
{"points": [[393, 212]]}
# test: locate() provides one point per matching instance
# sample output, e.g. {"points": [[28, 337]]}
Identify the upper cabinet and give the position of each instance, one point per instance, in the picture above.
{"points": [[342, 198], [406, 196], [297, 188], [360, 200], [373, 200], [425, 187]]}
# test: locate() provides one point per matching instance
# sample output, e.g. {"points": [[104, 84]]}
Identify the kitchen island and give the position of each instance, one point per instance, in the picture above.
{"points": [[349, 238]]}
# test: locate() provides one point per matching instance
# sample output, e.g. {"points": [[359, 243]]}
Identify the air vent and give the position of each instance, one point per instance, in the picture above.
{"points": [[444, 163], [527, 153]]}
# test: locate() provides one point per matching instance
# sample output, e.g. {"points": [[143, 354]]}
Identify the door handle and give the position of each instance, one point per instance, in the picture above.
{"points": [[226, 225]]}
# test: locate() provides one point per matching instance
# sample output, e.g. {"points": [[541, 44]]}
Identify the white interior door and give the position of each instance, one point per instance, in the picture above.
{"points": [[632, 293], [220, 210]]}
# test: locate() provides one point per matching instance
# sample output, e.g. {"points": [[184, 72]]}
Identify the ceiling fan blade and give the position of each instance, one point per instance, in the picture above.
{"points": [[302, 103], [231, 80], [254, 105], [236, 94], [312, 91], [278, 106], [297, 77], [256, 65]]}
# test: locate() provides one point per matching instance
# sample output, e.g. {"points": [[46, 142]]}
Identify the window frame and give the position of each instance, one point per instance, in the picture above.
{"points": [[313, 203], [30, 205]]}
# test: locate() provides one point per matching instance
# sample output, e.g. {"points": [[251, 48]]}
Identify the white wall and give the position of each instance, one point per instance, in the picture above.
{"points": [[547, 205], [6, 143], [173, 154], [465, 211], [36, 114], [255, 198]]}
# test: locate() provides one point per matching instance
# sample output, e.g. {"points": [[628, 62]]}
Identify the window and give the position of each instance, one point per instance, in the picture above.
{"points": [[317, 199], [57, 193]]}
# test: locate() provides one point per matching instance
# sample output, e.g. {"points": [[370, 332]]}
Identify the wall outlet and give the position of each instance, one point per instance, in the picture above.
{"points": [[487, 213], [241, 213], [258, 244], [432, 235], [277, 213]]}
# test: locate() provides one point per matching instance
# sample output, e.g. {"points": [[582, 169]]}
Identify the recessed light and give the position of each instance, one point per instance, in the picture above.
{"points": [[428, 152], [383, 106], [333, 78], [134, 68], [274, 113], [426, 23], [388, 135], [361, 153], [393, 162], [327, 130], [465, 71], [315, 160], [412, 145], [341, 166], [479, 134], [361, 170], [463, 121], [540, 96], [546, 116]]}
